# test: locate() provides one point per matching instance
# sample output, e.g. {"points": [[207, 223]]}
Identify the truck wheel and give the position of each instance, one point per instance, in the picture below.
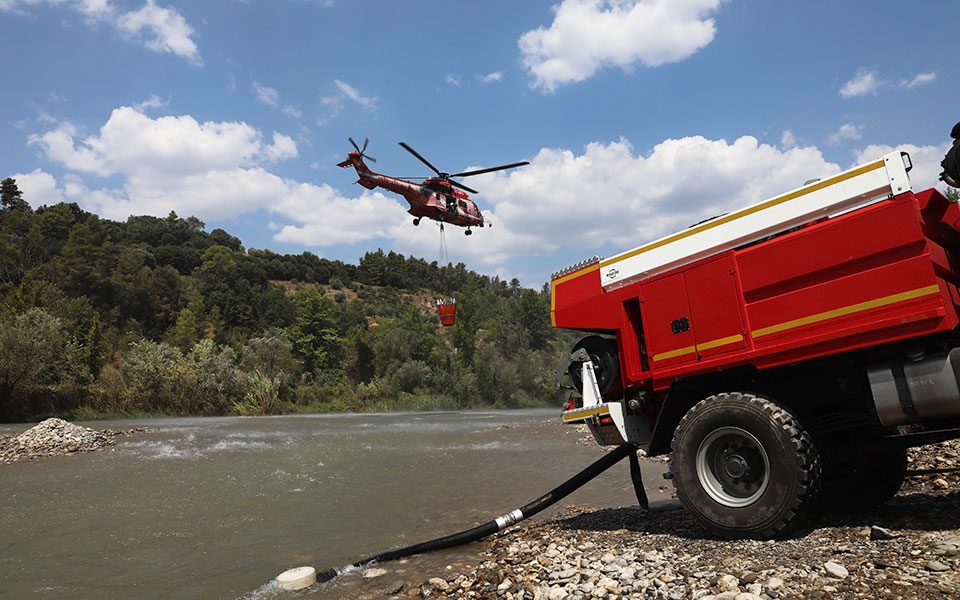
{"points": [[744, 466], [606, 365], [863, 483]]}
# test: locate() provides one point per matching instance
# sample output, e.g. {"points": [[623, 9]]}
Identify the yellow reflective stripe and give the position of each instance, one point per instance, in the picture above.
{"points": [[745, 212], [575, 274], [675, 353], [584, 413], [848, 310], [732, 339], [721, 342]]}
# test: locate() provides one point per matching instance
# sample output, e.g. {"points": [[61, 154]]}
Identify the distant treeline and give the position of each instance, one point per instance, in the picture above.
{"points": [[158, 316]]}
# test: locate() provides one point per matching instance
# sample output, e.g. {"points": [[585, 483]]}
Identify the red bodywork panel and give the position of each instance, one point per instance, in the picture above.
{"points": [[879, 274]]}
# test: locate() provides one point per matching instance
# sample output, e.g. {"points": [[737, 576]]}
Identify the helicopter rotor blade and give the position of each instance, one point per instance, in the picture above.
{"points": [[422, 159], [365, 142], [488, 170], [463, 187], [355, 145]]}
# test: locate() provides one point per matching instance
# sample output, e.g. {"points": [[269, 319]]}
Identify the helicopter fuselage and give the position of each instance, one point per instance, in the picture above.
{"points": [[434, 199]]}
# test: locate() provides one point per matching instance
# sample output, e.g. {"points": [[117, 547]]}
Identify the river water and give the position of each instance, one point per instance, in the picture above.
{"points": [[218, 507]]}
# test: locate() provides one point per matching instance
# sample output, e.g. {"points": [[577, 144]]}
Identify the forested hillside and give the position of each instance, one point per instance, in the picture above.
{"points": [[158, 316]]}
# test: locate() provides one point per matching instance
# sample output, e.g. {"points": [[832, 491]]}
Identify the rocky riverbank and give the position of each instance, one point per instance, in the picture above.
{"points": [[906, 549], [54, 437]]}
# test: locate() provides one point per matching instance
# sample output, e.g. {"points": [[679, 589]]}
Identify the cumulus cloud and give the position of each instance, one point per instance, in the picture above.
{"points": [[282, 148], [588, 35], [39, 188], [493, 77], [926, 161], [788, 139], [215, 170], [863, 83], [684, 181], [159, 28], [847, 131]]}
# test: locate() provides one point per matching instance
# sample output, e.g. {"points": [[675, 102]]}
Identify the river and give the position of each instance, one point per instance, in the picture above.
{"points": [[218, 507]]}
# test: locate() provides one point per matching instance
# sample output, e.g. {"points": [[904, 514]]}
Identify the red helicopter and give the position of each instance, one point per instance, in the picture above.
{"points": [[435, 198]]}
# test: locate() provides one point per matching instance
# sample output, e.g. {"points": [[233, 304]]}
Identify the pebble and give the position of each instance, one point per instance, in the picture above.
{"points": [[835, 570]]}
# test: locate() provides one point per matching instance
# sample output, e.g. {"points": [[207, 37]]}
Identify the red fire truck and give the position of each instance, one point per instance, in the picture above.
{"points": [[785, 354]]}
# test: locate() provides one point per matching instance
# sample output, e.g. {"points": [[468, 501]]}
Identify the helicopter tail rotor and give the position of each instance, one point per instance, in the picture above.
{"points": [[361, 151]]}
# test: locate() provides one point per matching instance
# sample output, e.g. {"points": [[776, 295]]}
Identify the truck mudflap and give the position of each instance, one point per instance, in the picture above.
{"points": [[609, 422]]}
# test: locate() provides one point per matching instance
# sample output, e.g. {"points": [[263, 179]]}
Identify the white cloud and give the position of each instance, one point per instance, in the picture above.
{"points": [[39, 188], [588, 35], [59, 146], [453, 80], [864, 82], [919, 79], [926, 161], [134, 144], [210, 169], [788, 139], [847, 131], [282, 148], [336, 101], [345, 90], [153, 101], [268, 95], [494, 77], [595, 197], [328, 218], [161, 29]]}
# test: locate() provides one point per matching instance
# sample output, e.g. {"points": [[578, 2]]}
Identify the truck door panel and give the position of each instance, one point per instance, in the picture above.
{"points": [[715, 308], [666, 319]]}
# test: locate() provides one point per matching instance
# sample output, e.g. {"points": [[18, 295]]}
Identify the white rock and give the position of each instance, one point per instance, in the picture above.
{"points": [[835, 570]]}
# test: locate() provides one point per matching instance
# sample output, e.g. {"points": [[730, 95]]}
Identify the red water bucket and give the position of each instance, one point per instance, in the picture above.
{"points": [[448, 312]]}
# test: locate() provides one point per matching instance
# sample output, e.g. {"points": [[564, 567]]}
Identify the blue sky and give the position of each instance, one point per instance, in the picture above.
{"points": [[639, 117]]}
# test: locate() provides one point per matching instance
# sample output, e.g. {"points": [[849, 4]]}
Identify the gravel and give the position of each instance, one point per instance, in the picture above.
{"points": [[56, 437], [909, 548]]}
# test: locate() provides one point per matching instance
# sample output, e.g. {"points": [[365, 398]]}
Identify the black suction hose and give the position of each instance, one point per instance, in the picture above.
{"points": [[481, 531]]}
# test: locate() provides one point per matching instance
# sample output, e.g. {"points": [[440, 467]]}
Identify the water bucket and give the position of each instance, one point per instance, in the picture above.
{"points": [[448, 312]]}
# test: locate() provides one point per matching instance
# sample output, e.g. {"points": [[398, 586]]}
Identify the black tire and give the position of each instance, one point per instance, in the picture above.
{"points": [[606, 365], [863, 482], [744, 466]]}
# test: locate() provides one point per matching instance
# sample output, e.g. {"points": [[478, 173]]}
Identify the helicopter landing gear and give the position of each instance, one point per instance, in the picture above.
{"points": [[416, 221], [468, 232]]}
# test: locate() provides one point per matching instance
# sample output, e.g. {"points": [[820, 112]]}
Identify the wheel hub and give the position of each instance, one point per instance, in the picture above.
{"points": [[733, 467]]}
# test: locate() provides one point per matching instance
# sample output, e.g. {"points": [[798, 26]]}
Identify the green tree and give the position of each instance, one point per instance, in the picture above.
{"points": [[270, 354], [34, 351], [11, 198], [313, 333]]}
